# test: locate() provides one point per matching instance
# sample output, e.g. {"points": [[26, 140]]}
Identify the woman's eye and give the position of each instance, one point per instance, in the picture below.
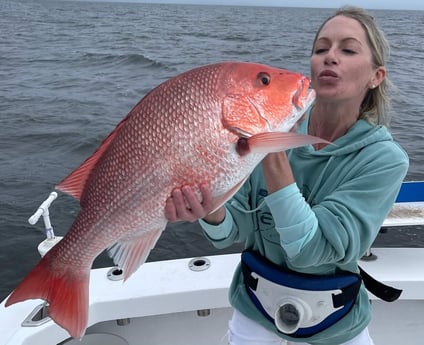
{"points": [[349, 51], [264, 78], [320, 50]]}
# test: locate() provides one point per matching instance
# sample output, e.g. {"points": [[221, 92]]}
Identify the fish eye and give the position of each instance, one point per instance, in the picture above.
{"points": [[264, 78]]}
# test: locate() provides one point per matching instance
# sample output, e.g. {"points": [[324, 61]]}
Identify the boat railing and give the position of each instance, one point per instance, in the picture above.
{"points": [[408, 210]]}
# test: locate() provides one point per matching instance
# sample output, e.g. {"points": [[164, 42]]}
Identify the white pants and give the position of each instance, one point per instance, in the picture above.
{"points": [[243, 331]]}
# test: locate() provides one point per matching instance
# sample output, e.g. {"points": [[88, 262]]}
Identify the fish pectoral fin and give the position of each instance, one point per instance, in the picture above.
{"points": [[222, 199], [280, 141], [130, 253]]}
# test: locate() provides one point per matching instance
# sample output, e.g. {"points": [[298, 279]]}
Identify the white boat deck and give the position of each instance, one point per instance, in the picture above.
{"points": [[161, 289]]}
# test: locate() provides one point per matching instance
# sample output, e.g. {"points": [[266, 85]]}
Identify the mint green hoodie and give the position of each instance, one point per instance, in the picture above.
{"points": [[323, 222]]}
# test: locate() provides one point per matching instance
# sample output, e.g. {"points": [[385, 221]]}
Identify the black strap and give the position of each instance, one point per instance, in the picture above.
{"points": [[248, 278], [348, 294], [385, 292]]}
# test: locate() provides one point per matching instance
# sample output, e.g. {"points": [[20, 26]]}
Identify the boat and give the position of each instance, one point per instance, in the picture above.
{"points": [[185, 301]]}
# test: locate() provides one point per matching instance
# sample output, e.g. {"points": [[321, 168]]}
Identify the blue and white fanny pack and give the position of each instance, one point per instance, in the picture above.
{"points": [[300, 305]]}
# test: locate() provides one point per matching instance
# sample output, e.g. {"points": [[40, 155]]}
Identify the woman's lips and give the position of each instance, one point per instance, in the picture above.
{"points": [[328, 74]]}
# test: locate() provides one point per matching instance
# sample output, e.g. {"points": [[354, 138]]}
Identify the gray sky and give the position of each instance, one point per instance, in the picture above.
{"points": [[369, 4]]}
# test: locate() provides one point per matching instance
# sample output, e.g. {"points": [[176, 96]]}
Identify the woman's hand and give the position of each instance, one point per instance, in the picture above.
{"points": [[184, 205]]}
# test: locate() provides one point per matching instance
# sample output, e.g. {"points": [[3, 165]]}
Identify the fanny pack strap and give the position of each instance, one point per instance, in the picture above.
{"points": [[348, 294], [385, 292]]}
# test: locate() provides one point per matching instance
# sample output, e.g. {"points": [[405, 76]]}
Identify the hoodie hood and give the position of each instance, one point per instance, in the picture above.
{"points": [[361, 134]]}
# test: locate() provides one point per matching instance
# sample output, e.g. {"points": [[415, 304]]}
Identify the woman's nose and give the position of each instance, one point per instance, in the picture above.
{"points": [[331, 57]]}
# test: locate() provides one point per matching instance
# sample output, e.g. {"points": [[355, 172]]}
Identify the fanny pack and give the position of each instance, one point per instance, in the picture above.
{"points": [[300, 305]]}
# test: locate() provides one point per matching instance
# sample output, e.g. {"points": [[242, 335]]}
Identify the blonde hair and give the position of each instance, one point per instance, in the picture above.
{"points": [[375, 106]]}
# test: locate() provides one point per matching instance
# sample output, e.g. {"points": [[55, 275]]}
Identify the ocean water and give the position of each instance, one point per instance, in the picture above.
{"points": [[69, 71]]}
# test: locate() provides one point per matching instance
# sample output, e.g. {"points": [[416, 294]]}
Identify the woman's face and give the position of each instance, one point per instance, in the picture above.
{"points": [[341, 63]]}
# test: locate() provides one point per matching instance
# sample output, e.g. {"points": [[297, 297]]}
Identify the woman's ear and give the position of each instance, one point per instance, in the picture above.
{"points": [[379, 75]]}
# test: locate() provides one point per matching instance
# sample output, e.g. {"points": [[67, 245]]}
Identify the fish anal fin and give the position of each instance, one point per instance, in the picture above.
{"points": [[66, 291], [130, 253], [74, 183], [280, 141]]}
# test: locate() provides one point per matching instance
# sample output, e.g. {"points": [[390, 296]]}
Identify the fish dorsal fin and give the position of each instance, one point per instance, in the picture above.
{"points": [[131, 253], [74, 183]]}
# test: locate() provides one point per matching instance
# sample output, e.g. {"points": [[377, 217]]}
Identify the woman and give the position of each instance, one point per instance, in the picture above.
{"points": [[316, 209]]}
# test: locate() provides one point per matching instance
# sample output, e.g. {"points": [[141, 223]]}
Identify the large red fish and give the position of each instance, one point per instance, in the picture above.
{"points": [[212, 124]]}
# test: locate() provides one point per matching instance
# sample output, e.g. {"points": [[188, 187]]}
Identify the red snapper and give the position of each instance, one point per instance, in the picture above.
{"points": [[212, 124]]}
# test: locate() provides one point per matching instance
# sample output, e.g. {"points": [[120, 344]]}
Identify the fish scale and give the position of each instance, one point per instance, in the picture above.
{"points": [[185, 131]]}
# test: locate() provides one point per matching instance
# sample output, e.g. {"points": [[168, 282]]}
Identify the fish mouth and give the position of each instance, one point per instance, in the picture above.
{"points": [[303, 96]]}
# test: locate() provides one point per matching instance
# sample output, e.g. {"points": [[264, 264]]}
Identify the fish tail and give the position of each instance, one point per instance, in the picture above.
{"points": [[64, 288]]}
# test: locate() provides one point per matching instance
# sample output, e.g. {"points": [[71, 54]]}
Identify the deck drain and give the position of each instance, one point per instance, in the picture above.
{"points": [[199, 264], [115, 274]]}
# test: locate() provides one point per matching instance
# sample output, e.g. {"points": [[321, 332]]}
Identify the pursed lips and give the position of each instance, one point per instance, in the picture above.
{"points": [[328, 75]]}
